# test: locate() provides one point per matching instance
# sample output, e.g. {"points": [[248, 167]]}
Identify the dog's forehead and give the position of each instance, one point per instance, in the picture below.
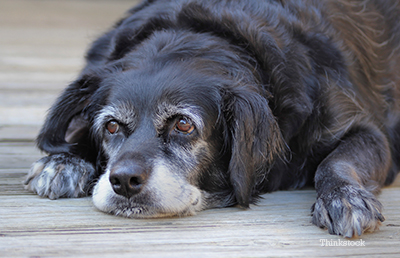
{"points": [[170, 89], [160, 95]]}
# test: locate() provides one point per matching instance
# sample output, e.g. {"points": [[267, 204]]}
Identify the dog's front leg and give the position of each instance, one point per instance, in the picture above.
{"points": [[346, 182], [60, 175]]}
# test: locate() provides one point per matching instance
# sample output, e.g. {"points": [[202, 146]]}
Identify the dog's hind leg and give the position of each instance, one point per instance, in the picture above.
{"points": [[346, 182]]}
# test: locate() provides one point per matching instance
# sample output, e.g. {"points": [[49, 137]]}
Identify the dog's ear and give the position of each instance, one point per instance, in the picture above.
{"points": [[66, 122], [254, 137], [282, 66]]}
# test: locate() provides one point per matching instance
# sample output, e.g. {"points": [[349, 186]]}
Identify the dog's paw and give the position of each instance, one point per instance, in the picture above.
{"points": [[60, 175], [348, 211]]}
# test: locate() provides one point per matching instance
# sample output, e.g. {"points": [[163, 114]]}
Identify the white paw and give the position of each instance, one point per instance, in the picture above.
{"points": [[60, 175], [348, 211]]}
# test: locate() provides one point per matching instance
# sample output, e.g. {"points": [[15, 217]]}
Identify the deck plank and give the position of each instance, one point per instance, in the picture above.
{"points": [[41, 47]]}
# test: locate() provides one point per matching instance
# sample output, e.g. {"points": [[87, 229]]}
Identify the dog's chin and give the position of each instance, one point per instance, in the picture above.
{"points": [[164, 196]]}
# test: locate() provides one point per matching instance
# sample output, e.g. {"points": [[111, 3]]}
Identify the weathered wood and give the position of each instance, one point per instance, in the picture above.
{"points": [[18, 133], [41, 47], [42, 44]]}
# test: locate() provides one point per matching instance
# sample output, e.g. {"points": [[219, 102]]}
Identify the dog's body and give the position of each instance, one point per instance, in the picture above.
{"points": [[187, 105]]}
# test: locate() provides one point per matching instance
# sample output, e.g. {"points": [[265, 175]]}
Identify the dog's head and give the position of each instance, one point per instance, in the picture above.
{"points": [[183, 128]]}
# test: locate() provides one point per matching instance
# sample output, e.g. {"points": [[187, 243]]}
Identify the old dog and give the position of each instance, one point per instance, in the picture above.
{"points": [[192, 104]]}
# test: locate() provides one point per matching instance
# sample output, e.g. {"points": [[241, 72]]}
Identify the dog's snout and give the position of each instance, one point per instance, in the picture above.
{"points": [[128, 181]]}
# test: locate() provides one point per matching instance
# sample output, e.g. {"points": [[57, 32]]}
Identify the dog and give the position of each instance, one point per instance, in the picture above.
{"points": [[193, 104]]}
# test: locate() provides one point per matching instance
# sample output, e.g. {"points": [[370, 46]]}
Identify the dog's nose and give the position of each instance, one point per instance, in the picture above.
{"points": [[128, 181]]}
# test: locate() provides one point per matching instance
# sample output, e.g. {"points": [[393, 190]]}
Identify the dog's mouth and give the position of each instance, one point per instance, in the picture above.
{"points": [[131, 209], [134, 211], [164, 195]]}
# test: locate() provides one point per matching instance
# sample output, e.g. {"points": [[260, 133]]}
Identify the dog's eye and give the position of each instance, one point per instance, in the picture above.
{"points": [[184, 125], [112, 127]]}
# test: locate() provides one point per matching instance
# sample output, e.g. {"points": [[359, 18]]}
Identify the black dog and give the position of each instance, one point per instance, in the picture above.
{"points": [[194, 104]]}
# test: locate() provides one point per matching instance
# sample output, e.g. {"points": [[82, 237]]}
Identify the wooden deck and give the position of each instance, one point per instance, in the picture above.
{"points": [[41, 47]]}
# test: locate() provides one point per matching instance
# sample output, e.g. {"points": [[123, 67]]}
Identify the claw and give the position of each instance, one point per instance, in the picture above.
{"points": [[60, 175], [348, 211]]}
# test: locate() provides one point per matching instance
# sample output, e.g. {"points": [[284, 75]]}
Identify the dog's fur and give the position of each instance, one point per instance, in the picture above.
{"points": [[194, 104]]}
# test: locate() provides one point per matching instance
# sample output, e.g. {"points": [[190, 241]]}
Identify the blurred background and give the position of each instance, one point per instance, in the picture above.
{"points": [[42, 46]]}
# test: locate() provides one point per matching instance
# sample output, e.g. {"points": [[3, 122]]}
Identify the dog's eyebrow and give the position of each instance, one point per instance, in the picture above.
{"points": [[166, 111], [123, 113]]}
